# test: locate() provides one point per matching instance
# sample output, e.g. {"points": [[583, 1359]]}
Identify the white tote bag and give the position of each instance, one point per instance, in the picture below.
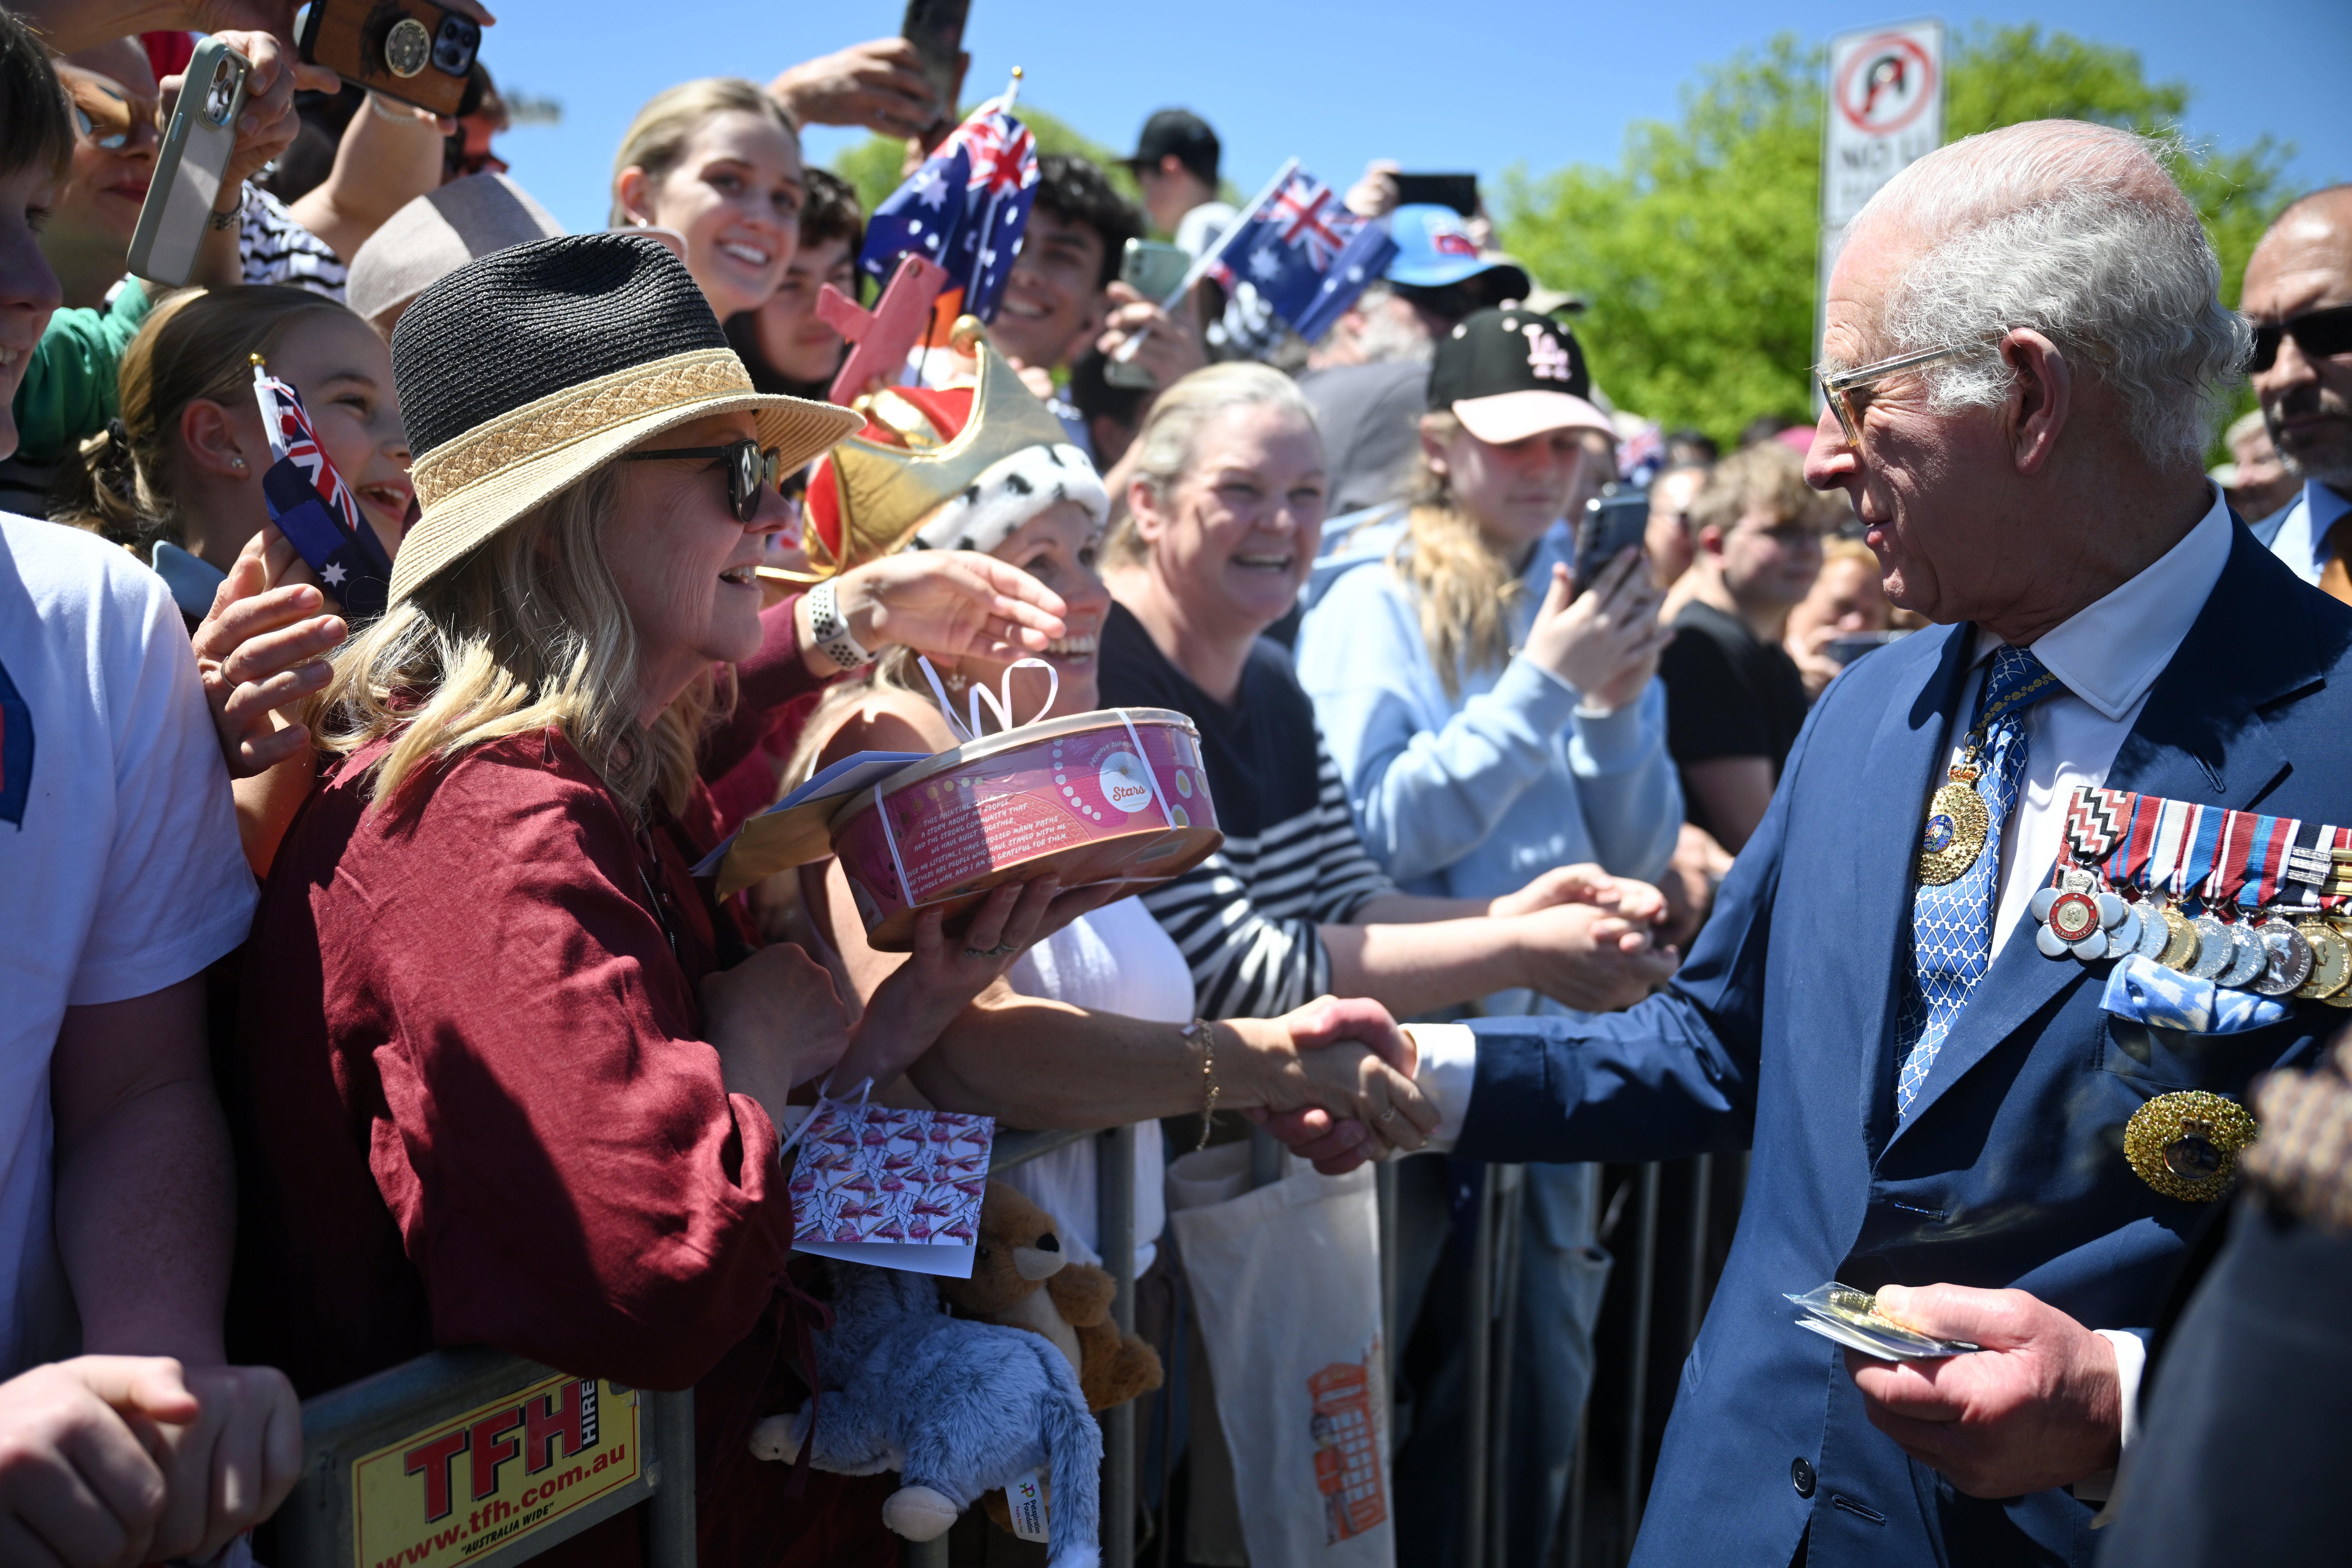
{"points": [[1286, 1283]]}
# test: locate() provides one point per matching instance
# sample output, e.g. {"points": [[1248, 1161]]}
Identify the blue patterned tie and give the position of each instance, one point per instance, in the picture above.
{"points": [[1952, 925]]}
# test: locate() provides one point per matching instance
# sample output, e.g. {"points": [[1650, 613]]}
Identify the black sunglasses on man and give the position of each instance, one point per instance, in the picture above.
{"points": [[2320, 335]]}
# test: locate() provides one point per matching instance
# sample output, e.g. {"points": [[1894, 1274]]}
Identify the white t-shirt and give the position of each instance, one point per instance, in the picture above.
{"points": [[1113, 960], [119, 868]]}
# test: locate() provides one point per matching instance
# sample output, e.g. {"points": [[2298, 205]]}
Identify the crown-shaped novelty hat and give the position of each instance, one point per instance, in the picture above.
{"points": [[972, 461]]}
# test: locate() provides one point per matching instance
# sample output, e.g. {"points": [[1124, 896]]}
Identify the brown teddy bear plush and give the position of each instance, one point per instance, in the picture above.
{"points": [[1019, 1251]]}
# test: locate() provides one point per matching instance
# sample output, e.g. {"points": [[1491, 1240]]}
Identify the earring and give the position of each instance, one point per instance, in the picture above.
{"points": [[237, 463]]}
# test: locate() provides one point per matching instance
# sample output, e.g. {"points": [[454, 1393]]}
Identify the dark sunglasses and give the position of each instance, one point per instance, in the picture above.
{"points": [[750, 468], [2320, 335]]}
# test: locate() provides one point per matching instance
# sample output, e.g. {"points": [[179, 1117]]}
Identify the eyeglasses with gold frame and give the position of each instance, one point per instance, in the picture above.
{"points": [[1838, 386]]}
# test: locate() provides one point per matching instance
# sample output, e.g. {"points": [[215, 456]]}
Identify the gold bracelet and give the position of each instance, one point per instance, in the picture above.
{"points": [[1206, 1033]]}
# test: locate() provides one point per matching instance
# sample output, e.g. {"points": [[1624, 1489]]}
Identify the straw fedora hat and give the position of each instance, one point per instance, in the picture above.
{"points": [[524, 371]]}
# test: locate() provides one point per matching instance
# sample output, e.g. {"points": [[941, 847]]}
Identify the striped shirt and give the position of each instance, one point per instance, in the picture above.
{"points": [[1246, 917], [274, 248]]}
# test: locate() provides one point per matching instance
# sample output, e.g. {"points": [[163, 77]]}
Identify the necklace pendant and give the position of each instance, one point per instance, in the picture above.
{"points": [[1955, 832]]}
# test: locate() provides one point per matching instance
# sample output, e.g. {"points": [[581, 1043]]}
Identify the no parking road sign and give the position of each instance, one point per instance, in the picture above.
{"points": [[1885, 111]]}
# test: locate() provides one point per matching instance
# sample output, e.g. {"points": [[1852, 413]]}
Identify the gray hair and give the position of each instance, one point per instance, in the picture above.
{"points": [[1163, 448], [2076, 230]]}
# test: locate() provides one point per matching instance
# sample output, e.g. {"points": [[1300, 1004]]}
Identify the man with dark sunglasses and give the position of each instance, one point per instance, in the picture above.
{"points": [[2298, 296]]}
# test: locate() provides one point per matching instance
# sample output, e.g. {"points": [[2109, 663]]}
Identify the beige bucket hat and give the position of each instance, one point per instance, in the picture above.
{"points": [[522, 372]]}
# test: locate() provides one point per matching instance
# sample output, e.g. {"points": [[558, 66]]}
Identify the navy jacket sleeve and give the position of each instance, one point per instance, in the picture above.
{"points": [[1673, 1075]]}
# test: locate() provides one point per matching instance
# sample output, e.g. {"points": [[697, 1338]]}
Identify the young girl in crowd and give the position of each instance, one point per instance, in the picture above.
{"points": [[177, 476], [718, 161]]}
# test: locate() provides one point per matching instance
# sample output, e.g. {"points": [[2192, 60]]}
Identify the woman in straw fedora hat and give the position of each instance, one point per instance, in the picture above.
{"points": [[503, 1073]]}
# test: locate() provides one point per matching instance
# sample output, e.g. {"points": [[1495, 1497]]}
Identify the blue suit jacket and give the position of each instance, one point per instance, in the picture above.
{"points": [[1781, 1031]]}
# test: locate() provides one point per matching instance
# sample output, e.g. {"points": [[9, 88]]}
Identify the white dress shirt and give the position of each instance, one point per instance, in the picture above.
{"points": [[2302, 539], [2107, 656]]}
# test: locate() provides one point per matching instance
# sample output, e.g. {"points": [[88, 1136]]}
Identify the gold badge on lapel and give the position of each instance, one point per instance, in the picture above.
{"points": [[2186, 1145]]}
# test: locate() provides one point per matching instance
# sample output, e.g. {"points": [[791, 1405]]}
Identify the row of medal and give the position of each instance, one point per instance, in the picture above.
{"points": [[2249, 902]]}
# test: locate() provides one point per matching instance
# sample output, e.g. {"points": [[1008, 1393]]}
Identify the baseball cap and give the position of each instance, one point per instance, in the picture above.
{"points": [[1511, 374], [1182, 132], [1434, 249]]}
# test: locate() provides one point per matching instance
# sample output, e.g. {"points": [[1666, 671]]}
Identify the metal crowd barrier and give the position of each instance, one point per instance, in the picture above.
{"points": [[516, 1457], [512, 1458]]}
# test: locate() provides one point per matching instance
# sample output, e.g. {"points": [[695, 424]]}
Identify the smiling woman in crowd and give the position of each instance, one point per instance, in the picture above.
{"points": [[718, 161], [1094, 1026], [569, 1154], [1225, 514]]}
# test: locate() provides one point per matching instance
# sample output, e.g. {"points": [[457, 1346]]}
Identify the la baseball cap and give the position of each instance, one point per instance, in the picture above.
{"points": [[1182, 132], [1511, 374], [1434, 249]]}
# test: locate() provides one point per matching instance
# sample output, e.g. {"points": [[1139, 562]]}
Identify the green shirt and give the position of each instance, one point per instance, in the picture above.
{"points": [[69, 390]]}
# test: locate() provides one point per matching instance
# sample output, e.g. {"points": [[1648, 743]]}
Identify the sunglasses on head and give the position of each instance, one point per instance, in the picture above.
{"points": [[2320, 335], [751, 468]]}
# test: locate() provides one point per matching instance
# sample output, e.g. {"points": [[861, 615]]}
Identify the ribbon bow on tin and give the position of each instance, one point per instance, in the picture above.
{"points": [[1000, 699]]}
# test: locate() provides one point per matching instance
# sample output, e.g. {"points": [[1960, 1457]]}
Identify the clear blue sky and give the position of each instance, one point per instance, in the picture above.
{"points": [[1538, 83]]}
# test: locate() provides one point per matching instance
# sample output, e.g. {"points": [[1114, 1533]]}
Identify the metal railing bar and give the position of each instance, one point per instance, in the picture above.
{"points": [[1645, 1265], [1695, 1294], [1115, 1235], [1505, 1319], [1013, 1148], [1478, 1325]]}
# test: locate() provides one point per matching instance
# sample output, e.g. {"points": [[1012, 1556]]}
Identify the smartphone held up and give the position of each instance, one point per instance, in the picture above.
{"points": [[189, 169], [413, 50]]}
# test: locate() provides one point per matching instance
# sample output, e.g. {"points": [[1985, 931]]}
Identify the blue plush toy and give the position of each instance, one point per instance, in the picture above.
{"points": [[955, 1408]]}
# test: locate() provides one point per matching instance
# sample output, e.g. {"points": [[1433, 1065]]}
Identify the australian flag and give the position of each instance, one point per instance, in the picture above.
{"points": [[964, 209], [1306, 253], [312, 507]]}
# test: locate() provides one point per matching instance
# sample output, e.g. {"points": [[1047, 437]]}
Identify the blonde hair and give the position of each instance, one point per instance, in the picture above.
{"points": [[1163, 448], [1465, 591], [195, 346], [1767, 477], [1837, 548], [529, 632], [656, 138]]}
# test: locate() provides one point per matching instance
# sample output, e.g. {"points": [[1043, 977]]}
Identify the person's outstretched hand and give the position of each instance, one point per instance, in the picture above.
{"points": [[1637, 902], [879, 85], [2040, 1405], [1337, 1144], [957, 603], [1605, 642], [107, 1461], [230, 1468], [1593, 959], [1167, 346], [776, 1022], [261, 651]]}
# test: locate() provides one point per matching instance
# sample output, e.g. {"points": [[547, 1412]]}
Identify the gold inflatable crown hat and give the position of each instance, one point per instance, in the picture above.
{"points": [[873, 490]]}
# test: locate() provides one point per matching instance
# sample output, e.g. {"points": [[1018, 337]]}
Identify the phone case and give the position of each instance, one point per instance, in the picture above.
{"points": [[413, 50], [197, 148]]}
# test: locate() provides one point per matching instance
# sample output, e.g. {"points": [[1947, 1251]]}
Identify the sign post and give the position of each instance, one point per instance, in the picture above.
{"points": [[1885, 111]]}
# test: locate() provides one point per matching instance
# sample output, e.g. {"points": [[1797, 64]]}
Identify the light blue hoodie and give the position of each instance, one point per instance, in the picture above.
{"points": [[1470, 796]]}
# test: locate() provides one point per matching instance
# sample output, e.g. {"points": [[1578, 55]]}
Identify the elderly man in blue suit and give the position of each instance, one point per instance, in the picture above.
{"points": [[1938, 1070]]}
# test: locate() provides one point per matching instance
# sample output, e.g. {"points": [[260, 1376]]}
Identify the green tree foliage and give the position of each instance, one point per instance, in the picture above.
{"points": [[1698, 251]]}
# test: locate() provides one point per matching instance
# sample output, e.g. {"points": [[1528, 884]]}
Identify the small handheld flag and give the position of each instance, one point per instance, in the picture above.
{"points": [[965, 210], [1305, 255], [312, 507]]}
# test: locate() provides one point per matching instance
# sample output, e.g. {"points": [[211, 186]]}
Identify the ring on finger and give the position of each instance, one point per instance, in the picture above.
{"points": [[1388, 1115]]}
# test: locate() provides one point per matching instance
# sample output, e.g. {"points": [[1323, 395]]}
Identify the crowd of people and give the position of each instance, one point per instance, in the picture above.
{"points": [[365, 997]]}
